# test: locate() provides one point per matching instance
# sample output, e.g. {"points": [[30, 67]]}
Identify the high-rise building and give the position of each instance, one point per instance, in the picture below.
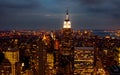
{"points": [[42, 58], [67, 39], [5, 67], [66, 51], [118, 55], [13, 56], [84, 60]]}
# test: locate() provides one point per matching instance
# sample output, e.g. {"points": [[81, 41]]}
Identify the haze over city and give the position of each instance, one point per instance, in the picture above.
{"points": [[50, 14]]}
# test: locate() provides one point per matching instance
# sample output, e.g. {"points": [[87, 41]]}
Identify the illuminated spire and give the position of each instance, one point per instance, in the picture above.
{"points": [[67, 16], [67, 23]]}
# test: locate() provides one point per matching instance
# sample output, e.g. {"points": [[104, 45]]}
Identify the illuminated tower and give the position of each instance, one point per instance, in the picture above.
{"points": [[67, 39], [67, 23], [66, 50]]}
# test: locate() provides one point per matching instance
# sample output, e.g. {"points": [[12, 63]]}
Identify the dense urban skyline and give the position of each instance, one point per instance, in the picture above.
{"points": [[49, 14]]}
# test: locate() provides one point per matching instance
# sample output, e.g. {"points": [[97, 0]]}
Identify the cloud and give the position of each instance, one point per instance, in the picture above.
{"points": [[18, 3], [37, 12], [106, 7], [91, 2], [10, 6]]}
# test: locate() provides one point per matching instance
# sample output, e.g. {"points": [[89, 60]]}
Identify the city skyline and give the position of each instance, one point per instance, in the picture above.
{"points": [[50, 14]]}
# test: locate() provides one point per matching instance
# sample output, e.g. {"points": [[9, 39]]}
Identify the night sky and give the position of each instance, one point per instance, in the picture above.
{"points": [[50, 14]]}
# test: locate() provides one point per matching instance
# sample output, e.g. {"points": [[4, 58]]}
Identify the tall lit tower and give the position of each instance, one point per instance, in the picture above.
{"points": [[67, 39], [67, 23], [66, 50]]}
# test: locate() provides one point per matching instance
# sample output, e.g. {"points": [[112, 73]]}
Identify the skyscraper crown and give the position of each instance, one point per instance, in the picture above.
{"points": [[67, 23]]}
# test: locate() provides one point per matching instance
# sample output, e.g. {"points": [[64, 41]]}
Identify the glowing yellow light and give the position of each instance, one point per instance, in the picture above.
{"points": [[22, 64], [67, 24]]}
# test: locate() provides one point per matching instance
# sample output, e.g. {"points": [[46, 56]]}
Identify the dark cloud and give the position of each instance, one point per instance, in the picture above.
{"points": [[116, 2], [116, 15], [18, 3], [10, 6], [91, 2], [51, 13], [106, 7]]}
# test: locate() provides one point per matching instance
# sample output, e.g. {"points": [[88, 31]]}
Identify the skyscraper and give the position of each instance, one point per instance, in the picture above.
{"points": [[66, 52]]}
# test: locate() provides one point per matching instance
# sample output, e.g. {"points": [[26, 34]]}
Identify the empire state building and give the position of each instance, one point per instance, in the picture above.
{"points": [[67, 23], [67, 48]]}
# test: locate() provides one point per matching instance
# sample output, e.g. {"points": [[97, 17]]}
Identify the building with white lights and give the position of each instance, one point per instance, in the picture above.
{"points": [[67, 23]]}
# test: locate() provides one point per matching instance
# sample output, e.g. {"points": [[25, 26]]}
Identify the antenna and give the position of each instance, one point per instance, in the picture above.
{"points": [[67, 11]]}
